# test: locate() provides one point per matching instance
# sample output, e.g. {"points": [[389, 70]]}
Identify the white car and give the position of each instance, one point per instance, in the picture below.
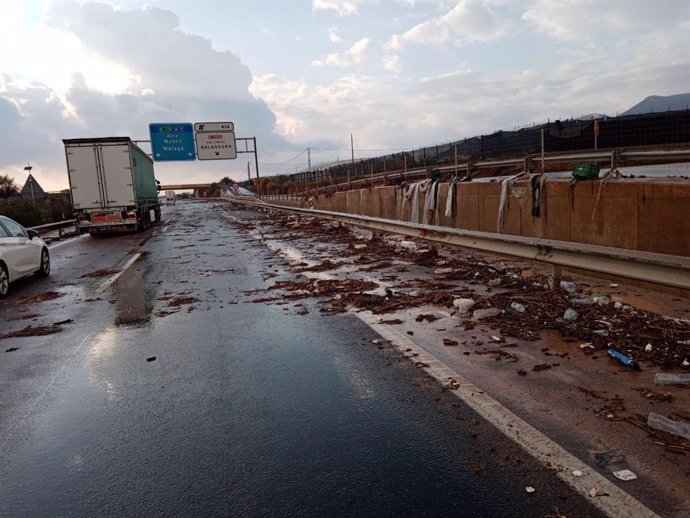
{"points": [[22, 253]]}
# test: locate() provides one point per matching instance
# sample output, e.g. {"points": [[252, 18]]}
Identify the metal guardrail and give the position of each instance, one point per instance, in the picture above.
{"points": [[59, 226], [666, 270]]}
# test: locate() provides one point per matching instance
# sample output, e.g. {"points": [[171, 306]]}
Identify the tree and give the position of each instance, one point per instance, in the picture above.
{"points": [[7, 187]]}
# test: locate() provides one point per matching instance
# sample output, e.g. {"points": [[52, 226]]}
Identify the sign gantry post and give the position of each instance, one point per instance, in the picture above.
{"points": [[256, 159]]}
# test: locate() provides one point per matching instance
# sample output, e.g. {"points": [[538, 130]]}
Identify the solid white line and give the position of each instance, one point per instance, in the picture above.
{"points": [[547, 452], [109, 282], [67, 241]]}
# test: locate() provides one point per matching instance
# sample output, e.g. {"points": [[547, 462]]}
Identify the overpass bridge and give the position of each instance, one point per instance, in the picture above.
{"points": [[185, 186]]}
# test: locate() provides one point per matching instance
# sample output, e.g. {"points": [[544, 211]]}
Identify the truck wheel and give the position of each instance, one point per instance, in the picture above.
{"points": [[4, 281], [44, 270]]}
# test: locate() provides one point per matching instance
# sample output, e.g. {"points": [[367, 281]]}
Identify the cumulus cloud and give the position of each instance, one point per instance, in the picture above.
{"points": [[468, 21], [353, 55], [180, 78]]}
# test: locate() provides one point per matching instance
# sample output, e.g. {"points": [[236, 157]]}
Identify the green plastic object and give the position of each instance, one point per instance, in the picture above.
{"points": [[585, 171]]}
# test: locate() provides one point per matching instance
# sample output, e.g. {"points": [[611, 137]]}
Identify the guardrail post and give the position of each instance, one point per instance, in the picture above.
{"points": [[555, 281]]}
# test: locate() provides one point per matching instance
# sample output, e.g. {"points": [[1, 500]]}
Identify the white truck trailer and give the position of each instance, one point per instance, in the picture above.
{"points": [[112, 185]]}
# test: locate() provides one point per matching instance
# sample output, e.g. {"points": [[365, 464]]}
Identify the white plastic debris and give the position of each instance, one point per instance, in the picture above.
{"points": [[441, 271], [625, 475], [594, 492], [497, 339], [587, 346], [602, 301], [410, 245], [516, 306], [658, 421], [359, 246], [495, 282], [569, 286], [613, 285], [577, 473], [480, 314], [570, 314], [648, 348], [667, 378], [601, 332], [530, 489], [617, 305], [376, 342], [685, 363], [463, 305]]}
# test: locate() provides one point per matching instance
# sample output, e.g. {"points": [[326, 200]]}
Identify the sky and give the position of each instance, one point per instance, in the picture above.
{"points": [[298, 74]]}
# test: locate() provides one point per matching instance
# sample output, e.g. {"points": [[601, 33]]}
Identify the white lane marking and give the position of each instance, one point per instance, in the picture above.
{"points": [[67, 241], [165, 228], [547, 452], [109, 282]]}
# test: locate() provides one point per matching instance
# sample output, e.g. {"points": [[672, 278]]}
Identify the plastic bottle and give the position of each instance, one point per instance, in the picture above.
{"points": [[667, 378], [623, 359], [665, 424]]}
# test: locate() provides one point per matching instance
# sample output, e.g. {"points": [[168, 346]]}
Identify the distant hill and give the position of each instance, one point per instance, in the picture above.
{"points": [[660, 103]]}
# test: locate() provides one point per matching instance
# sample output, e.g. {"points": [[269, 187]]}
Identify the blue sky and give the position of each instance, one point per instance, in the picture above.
{"points": [[398, 74]]}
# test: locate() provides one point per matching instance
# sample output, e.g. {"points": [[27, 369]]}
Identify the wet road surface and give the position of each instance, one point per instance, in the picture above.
{"points": [[172, 393]]}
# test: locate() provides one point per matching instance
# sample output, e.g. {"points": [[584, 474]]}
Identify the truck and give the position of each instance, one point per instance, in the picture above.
{"points": [[112, 185]]}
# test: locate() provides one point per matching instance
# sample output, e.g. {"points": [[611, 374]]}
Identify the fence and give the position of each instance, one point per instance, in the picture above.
{"points": [[653, 129]]}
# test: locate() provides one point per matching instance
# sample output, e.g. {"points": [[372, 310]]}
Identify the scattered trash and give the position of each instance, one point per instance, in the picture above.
{"points": [[587, 301], [442, 271], [450, 384], [665, 424], [516, 306], [602, 301], [63, 322], [427, 316], [568, 286], [480, 314], [11, 349], [601, 332], [595, 492], [685, 363], [625, 475], [587, 346], [497, 339], [541, 367], [409, 245], [648, 348], [613, 285], [449, 342], [577, 473], [495, 282], [377, 342], [530, 489], [463, 305], [666, 378], [570, 314], [623, 359], [359, 246], [151, 359]]}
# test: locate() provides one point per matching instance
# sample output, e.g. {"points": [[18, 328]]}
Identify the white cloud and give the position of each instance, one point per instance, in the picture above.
{"points": [[580, 19], [391, 62], [467, 22], [353, 55], [342, 7], [333, 35]]}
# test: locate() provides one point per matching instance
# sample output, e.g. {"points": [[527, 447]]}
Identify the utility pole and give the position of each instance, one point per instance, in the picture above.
{"points": [[309, 158], [249, 176], [352, 149]]}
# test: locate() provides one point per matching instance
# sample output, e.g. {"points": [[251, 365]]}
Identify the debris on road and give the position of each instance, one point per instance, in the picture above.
{"points": [[33, 331], [665, 424], [49, 295], [667, 378], [624, 475], [103, 272], [11, 349], [623, 359], [151, 359]]}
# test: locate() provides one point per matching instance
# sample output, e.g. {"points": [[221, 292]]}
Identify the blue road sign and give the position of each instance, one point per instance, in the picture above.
{"points": [[172, 141]]}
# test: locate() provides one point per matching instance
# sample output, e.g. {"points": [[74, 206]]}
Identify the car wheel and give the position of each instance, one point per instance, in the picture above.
{"points": [[44, 270], [4, 281]]}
